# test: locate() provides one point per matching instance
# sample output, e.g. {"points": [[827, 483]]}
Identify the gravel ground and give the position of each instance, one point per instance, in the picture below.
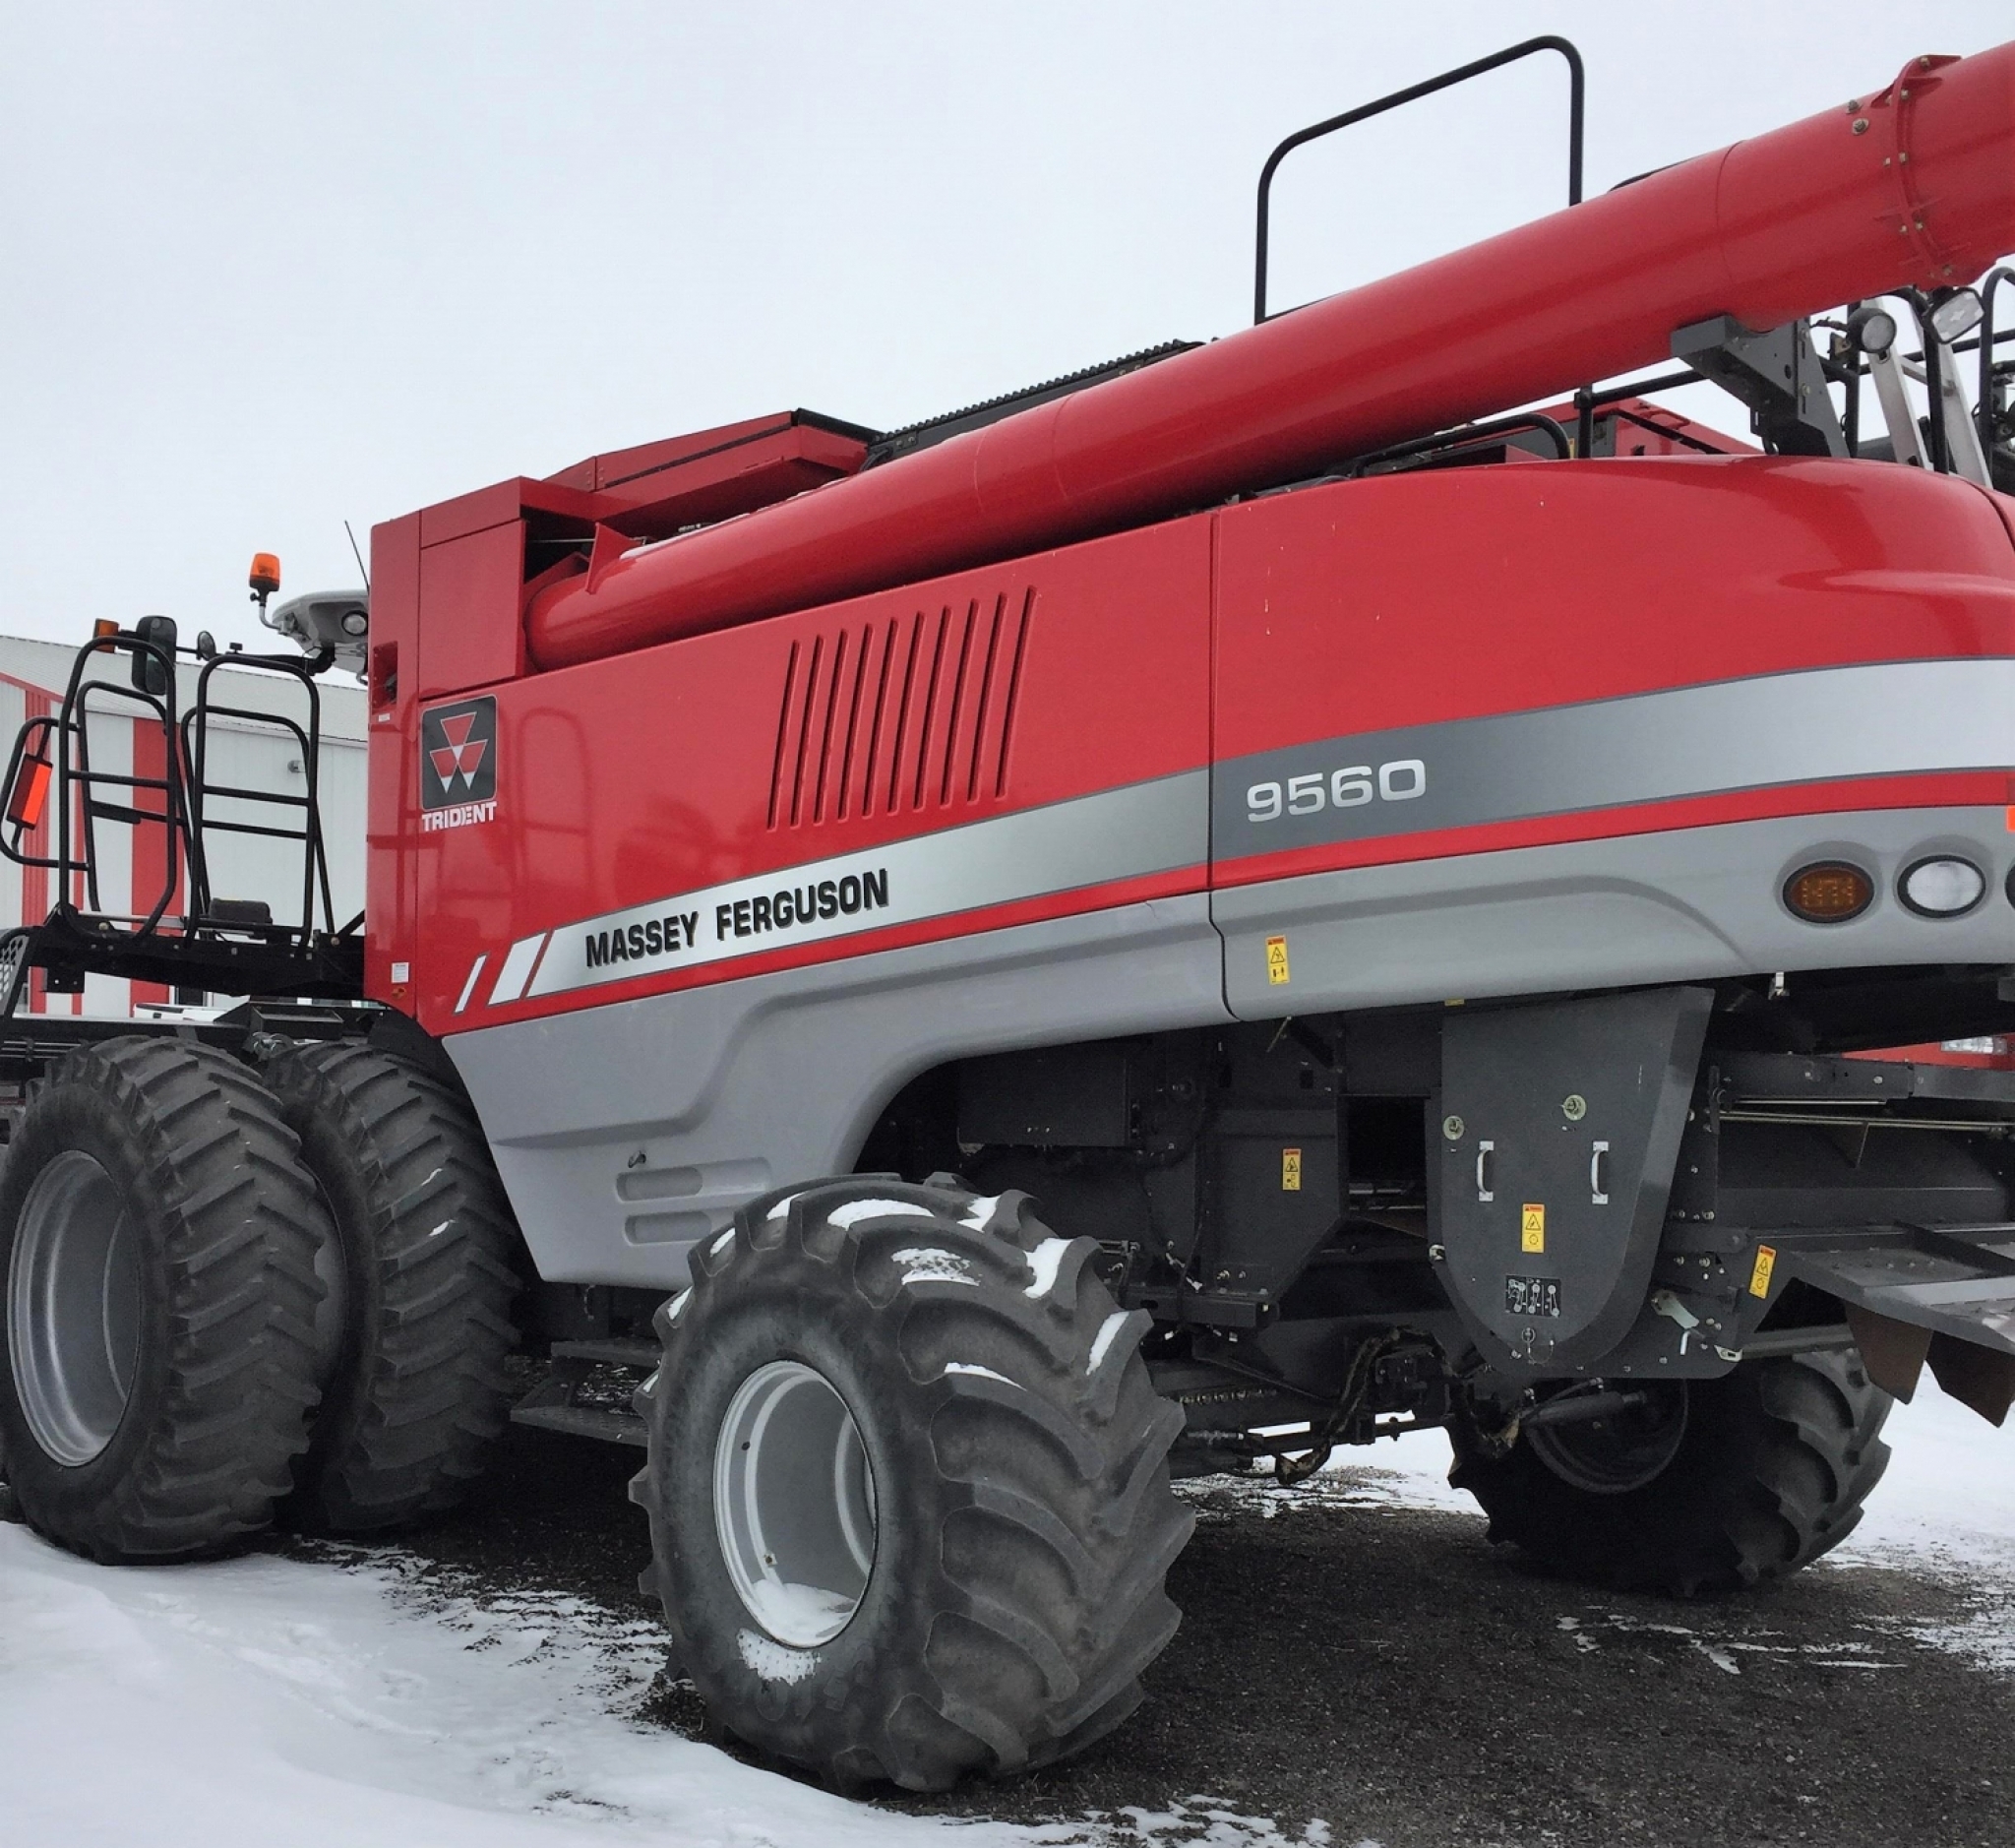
{"points": [[1347, 1657]]}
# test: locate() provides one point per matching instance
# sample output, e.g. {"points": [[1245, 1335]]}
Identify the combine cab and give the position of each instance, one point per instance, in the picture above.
{"points": [[1259, 896]]}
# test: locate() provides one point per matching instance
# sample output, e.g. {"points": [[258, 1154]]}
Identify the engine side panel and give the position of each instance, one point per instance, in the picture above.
{"points": [[1023, 742], [1413, 599], [1508, 729]]}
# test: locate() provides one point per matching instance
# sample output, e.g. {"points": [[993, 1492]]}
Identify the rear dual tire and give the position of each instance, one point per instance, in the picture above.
{"points": [[192, 1261], [157, 1238], [908, 1486], [415, 1392]]}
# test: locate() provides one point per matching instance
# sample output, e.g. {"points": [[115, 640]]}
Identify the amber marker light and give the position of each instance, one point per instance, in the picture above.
{"points": [[1828, 892], [30, 792], [265, 574], [103, 627]]}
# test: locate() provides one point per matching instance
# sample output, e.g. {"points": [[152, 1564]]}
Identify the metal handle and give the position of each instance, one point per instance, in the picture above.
{"points": [[1483, 1154], [1577, 85], [1598, 1195]]}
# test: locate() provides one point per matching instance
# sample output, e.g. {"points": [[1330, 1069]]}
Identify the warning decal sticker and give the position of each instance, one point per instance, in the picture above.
{"points": [[1532, 1228]]}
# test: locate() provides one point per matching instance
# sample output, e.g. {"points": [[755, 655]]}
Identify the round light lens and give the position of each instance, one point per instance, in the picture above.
{"points": [[1874, 328], [1829, 892], [1942, 887], [355, 622]]}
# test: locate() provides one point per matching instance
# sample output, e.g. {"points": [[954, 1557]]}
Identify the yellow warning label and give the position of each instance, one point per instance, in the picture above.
{"points": [[1759, 1278], [1532, 1228], [1289, 1170], [1276, 960]]}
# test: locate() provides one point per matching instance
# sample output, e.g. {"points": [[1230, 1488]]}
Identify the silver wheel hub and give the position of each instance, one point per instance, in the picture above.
{"points": [[73, 1308], [794, 1504]]}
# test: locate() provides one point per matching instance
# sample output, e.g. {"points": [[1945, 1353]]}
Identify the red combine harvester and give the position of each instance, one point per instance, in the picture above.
{"points": [[1404, 880]]}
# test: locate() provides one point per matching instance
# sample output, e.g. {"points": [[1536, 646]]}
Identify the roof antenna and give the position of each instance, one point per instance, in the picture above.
{"points": [[358, 556]]}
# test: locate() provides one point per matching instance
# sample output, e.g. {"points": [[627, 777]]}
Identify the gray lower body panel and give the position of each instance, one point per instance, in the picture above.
{"points": [[626, 1132], [1686, 906]]}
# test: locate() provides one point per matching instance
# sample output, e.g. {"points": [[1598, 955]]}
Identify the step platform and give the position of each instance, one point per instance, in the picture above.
{"points": [[570, 1400], [1914, 1295]]}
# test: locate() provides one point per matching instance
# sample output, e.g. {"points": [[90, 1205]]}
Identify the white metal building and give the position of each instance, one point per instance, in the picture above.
{"points": [[245, 751]]}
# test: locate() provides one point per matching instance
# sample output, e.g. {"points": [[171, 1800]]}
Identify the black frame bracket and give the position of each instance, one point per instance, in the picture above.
{"points": [[1777, 373]]}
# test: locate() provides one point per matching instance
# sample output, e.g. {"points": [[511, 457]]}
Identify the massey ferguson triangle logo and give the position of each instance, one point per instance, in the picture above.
{"points": [[458, 762], [462, 756]]}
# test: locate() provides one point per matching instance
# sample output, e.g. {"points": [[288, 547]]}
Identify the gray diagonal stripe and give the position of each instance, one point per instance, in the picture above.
{"points": [[1154, 827], [1822, 725]]}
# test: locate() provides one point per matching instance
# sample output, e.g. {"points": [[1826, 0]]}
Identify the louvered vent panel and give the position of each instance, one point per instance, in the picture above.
{"points": [[906, 715]]}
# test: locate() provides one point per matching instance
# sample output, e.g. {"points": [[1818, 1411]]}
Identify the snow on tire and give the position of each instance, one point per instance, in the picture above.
{"points": [[158, 1234], [908, 1485]]}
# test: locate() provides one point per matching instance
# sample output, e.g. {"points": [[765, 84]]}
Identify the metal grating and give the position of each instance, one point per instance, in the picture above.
{"points": [[900, 715]]}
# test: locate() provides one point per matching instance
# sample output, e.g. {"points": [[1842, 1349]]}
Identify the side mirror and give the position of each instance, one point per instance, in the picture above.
{"points": [[151, 673], [206, 645]]}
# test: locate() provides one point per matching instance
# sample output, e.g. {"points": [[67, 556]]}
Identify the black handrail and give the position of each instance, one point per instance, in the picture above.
{"points": [[1548, 41], [81, 794], [1470, 435], [307, 739], [74, 772], [1984, 409]]}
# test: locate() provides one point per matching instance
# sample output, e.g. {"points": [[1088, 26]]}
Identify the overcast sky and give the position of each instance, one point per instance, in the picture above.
{"points": [[267, 268]]}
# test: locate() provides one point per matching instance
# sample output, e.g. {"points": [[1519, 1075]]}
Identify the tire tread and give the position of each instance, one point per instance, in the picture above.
{"points": [[421, 1395]]}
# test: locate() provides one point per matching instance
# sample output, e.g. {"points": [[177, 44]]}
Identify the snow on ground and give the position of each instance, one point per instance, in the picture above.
{"points": [[1948, 1497], [364, 1699], [1945, 1505]]}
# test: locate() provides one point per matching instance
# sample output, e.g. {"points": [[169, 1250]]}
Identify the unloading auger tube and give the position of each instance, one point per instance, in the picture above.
{"points": [[1912, 185]]}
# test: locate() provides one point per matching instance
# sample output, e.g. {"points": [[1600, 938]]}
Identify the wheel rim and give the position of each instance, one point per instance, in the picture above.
{"points": [[1613, 1455], [73, 1308], [333, 1312], [794, 1504]]}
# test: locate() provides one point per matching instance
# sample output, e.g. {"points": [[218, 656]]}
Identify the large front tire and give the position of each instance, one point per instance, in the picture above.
{"points": [[157, 1235], [908, 1486], [1766, 1471]]}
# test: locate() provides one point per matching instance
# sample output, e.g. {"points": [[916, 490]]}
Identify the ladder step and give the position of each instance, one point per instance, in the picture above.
{"points": [[612, 1352], [584, 1421]]}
